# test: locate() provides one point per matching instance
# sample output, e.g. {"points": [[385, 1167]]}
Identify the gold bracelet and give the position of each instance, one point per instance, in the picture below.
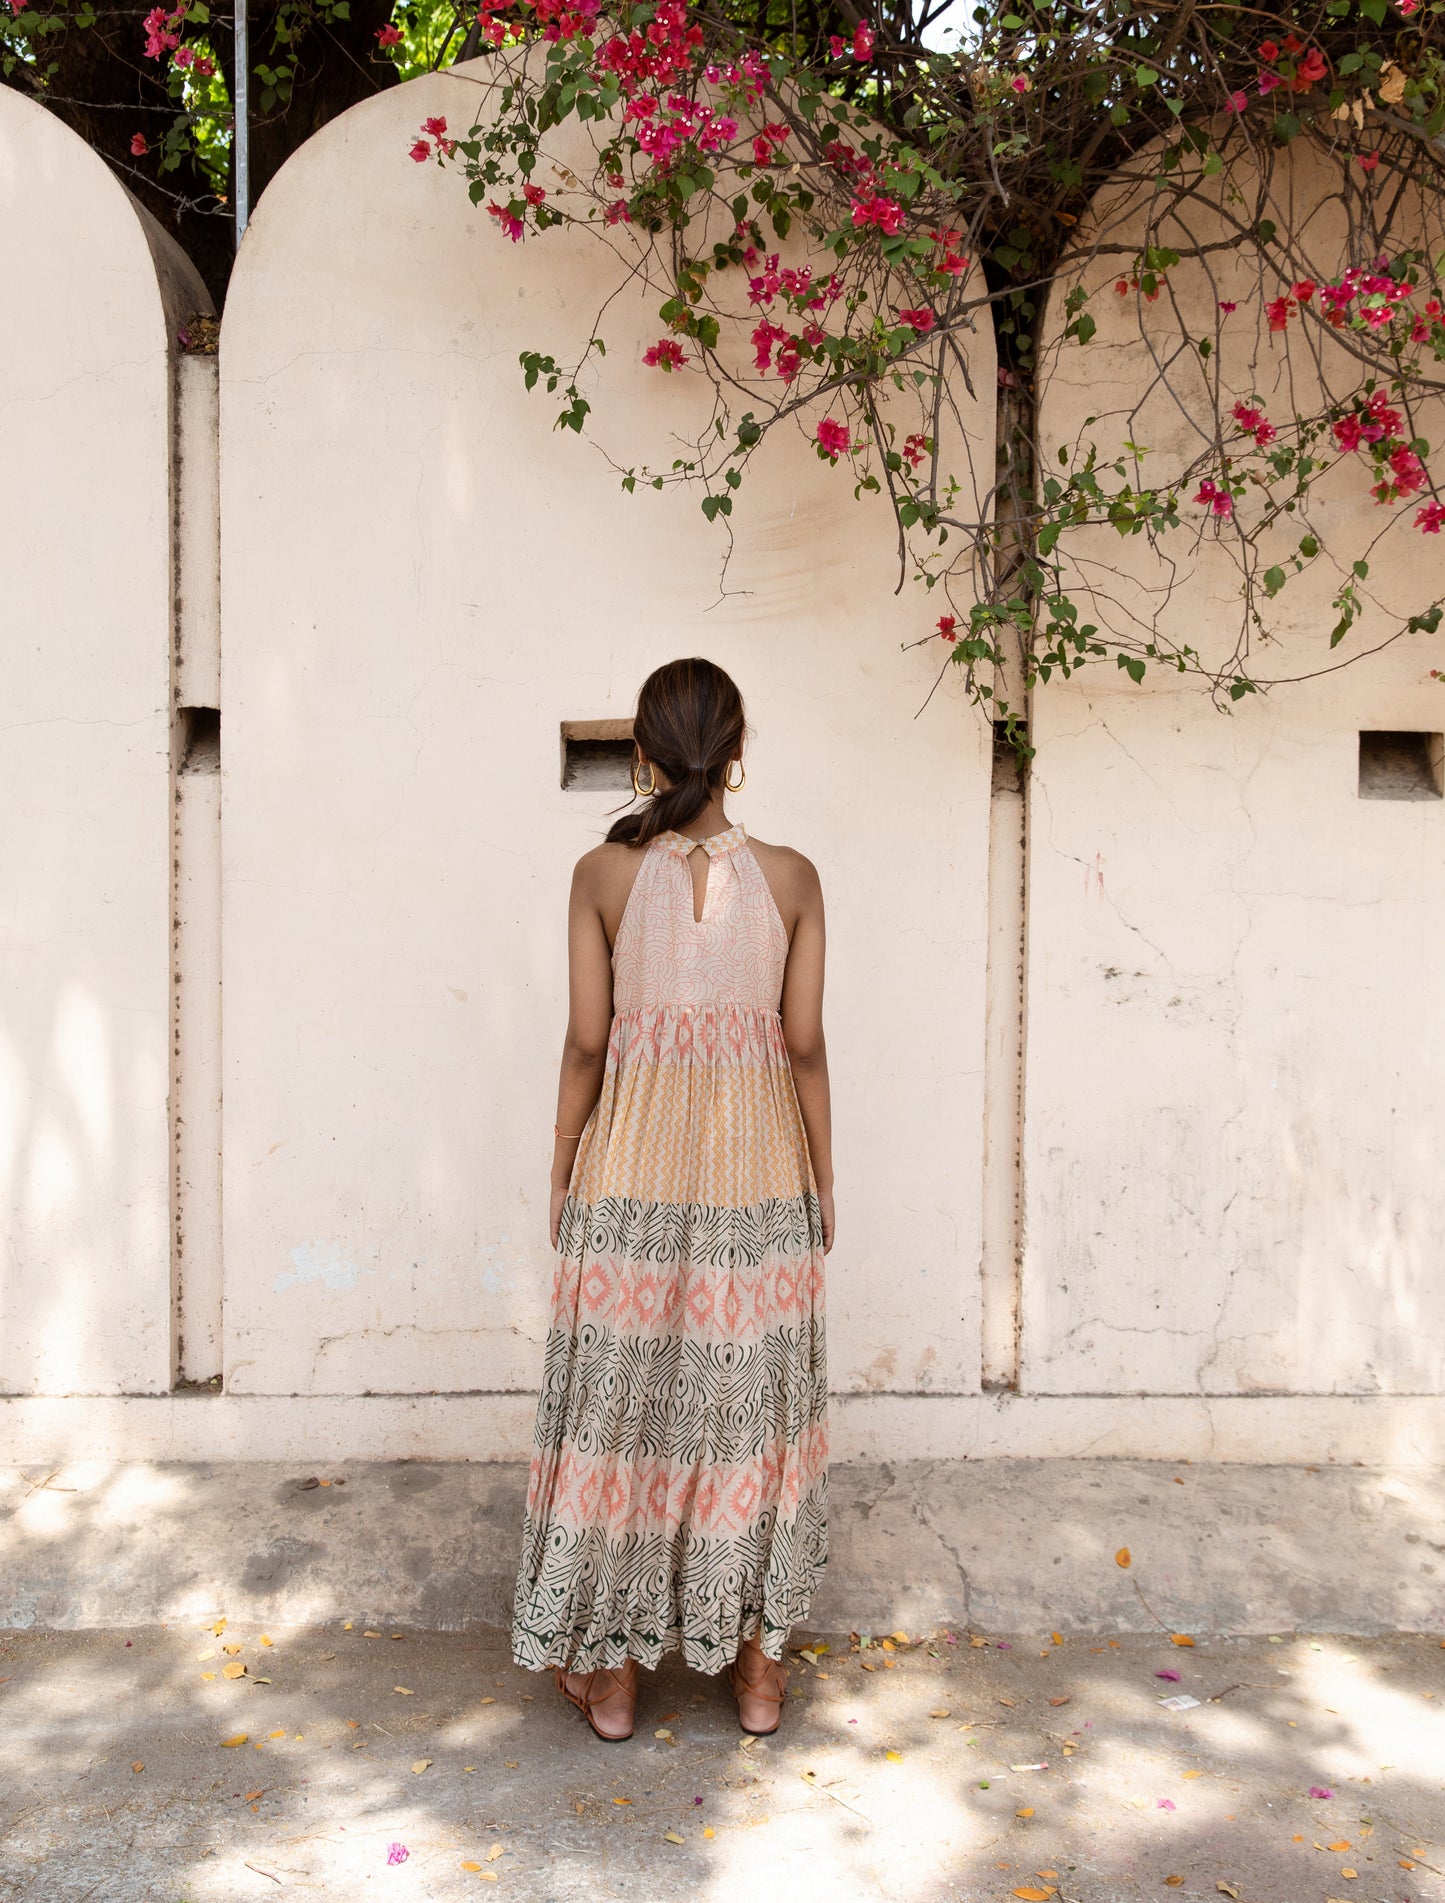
{"points": [[566, 1139]]}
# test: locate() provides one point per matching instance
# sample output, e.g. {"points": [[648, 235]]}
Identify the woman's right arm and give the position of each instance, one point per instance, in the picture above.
{"points": [[802, 1014], [589, 1022]]}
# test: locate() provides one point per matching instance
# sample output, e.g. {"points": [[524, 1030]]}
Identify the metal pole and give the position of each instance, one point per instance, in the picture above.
{"points": [[241, 133]]}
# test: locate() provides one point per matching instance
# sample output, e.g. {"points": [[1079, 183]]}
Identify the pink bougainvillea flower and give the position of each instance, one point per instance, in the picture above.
{"points": [[836, 46], [885, 213], [1407, 7], [1312, 69], [138, 145], [948, 627], [833, 439], [1227, 307], [397, 1853], [436, 128], [388, 35], [1020, 82], [915, 449], [1165, 1803], [1268, 52], [534, 194], [917, 320], [1237, 102], [1367, 161], [1318, 1790], [1304, 290], [186, 56], [664, 355], [1428, 521], [617, 213], [1211, 495], [421, 152], [1121, 287], [1278, 312], [506, 218], [1173, 1676], [1268, 82], [863, 42], [1348, 433]]}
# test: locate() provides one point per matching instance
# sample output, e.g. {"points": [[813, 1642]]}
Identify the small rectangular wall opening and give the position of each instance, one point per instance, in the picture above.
{"points": [[200, 739], [1401, 766], [1009, 767], [597, 755]]}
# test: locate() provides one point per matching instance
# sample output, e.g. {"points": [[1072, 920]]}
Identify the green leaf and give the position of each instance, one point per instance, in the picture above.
{"points": [[1309, 547], [1362, 569], [1273, 580]]}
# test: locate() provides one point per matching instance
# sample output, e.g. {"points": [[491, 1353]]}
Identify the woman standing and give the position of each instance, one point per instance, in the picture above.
{"points": [[678, 1488]]}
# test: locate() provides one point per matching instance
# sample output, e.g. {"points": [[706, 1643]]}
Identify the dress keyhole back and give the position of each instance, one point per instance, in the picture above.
{"points": [[699, 897]]}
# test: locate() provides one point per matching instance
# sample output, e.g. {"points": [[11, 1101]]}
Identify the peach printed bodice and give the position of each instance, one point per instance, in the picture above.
{"points": [[734, 954]]}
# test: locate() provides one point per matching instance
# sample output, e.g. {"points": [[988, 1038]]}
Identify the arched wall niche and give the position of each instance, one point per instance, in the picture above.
{"points": [[85, 495], [422, 581], [1235, 1061]]}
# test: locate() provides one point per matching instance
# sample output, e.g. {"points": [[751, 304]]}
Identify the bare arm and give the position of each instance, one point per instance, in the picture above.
{"points": [[802, 1013], [589, 1020]]}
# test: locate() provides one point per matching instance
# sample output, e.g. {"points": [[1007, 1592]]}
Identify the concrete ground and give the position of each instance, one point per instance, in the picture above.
{"points": [[351, 1760]]}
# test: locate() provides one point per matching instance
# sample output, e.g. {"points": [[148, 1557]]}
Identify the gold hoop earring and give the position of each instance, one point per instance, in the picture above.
{"points": [[644, 792], [742, 776]]}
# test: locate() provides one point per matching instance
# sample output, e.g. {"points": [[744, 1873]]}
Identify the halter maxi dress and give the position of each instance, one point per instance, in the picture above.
{"points": [[678, 1488]]}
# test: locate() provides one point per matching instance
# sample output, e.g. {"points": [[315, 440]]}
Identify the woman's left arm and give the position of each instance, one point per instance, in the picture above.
{"points": [[589, 1022]]}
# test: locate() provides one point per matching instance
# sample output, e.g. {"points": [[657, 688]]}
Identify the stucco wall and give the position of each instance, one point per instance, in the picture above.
{"points": [[1231, 1054], [85, 578], [420, 583], [1235, 1067]]}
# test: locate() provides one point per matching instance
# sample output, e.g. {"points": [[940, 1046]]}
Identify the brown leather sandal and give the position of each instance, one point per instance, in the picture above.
{"points": [[611, 1694], [771, 1689]]}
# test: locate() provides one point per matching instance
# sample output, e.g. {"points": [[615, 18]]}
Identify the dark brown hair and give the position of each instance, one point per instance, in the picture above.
{"points": [[689, 723]]}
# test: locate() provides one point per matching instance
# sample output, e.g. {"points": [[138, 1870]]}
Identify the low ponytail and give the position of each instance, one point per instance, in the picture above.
{"points": [[689, 723]]}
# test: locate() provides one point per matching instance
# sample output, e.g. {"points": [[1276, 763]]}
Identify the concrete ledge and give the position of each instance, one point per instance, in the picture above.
{"points": [[1378, 1430], [1000, 1545]]}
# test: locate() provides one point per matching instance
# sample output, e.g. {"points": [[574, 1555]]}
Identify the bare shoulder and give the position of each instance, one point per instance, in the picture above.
{"points": [[604, 871], [792, 877]]}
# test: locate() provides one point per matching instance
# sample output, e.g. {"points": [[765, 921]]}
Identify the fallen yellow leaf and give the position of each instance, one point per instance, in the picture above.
{"points": [[236, 1669], [663, 1733], [1057, 1637], [208, 1675], [1121, 1558], [278, 1734], [671, 1837], [708, 1831], [219, 1627], [420, 1765], [350, 1626], [1227, 1889], [1343, 1844], [471, 1866], [894, 1757], [899, 1638], [497, 1850], [1032, 1894], [489, 1701], [1028, 1812], [1180, 1638], [511, 1764], [137, 1766], [1191, 1774], [209, 1653], [487, 1876], [231, 1649], [1174, 1882], [260, 1681], [266, 1639], [1349, 1873], [622, 1800], [240, 1738], [942, 1712], [1004, 1699], [1060, 1701], [405, 1690]]}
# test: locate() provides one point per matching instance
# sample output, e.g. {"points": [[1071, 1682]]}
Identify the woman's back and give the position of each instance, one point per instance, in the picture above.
{"points": [[734, 955]]}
